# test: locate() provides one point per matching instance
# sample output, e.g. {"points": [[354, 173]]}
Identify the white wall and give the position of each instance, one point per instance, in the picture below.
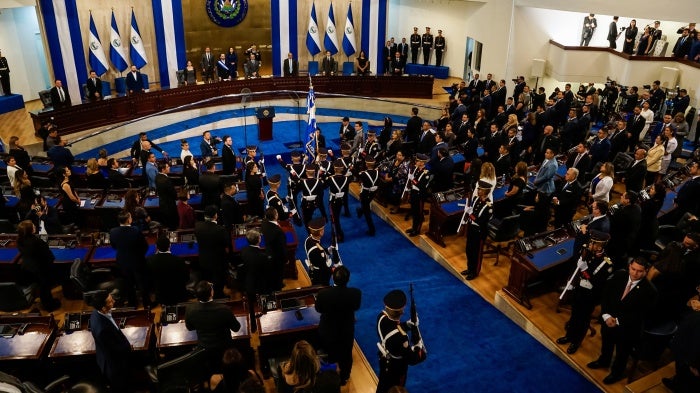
{"points": [[28, 75]]}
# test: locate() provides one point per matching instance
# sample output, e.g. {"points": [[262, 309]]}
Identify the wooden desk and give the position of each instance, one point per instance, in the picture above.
{"points": [[33, 343], [524, 268], [290, 267], [176, 334], [279, 330], [106, 255]]}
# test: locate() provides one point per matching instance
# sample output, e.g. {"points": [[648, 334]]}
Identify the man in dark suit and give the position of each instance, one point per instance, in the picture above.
{"points": [[626, 299], [131, 247], [546, 141], [213, 322], [258, 271], [426, 140], [5, 75], [275, 246], [499, 96], [688, 197], [60, 97], [635, 128], [290, 67], [169, 273], [503, 163], [116, 179], [210, 185], [228, 156], [624, 226], [566, 198], [328, 65], [252, 67], [137, 147], [214, 245], [600, 148], [60, 155], [579, 159], [570, 133], [612, 33], [634, 176], [94, 87], [402, 48], [618, 139], [443, 171], [337, 306], [134, 81], [397, 64], [112, 348], [682, 47], [207, 64], [231, 211], [167, 197], [413, 127]]}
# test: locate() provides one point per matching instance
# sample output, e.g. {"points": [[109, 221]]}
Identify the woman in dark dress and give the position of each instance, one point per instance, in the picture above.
{"points": [[232, 61], [443, 120], [253, 184], [37, 263], [362, 64], [514, 195], [95, 178], [650, 209], [24, 191], [644, 42], [630, 37], [189, 74], [396, 176], [394, 144], [69, 198], [190, 171], [480, 123]]}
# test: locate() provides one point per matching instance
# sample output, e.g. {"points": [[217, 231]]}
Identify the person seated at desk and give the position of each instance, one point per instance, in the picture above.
{"points": [[37, 263], [213, 323], [112, 348], [169, 274], [185, 212], [95, 178], [115, 177], [397, 65]]}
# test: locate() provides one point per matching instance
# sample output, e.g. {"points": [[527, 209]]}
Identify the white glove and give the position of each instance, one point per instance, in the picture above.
{"points": [[411, 324], [278, 157], [410, 176], [420, 345], [262, 160], [582, 265], [570, 287], [470, 210]]}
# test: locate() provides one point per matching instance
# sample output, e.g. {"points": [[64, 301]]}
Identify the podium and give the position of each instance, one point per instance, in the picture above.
{"points": [[265, 115]]}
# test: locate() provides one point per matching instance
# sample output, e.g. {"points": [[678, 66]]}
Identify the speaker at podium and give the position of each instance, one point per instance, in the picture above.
{"points": [[265, 114]]}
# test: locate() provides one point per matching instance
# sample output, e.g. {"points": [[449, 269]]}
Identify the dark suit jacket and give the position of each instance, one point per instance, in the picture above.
{"points": [[413, 129], [631, 310], [634, 176], [60, 156], [56, 99], [134, 83], [328, 67], [568, 201], [275, 244], [210, 186], [131, 247], [425, 143], [337, 306], [624, 226], [397, 66], [228, 158], [167, 200], [682, 49], [112, 348], [214, 241], [502, 165], [231, 212], [170, 277], [635, 128], [93, 88], [260, 277], [117, 180], [601, 225], [36, 255], [688, 198], [618, 143], [213, 322], [295, 67], [582, 165]]}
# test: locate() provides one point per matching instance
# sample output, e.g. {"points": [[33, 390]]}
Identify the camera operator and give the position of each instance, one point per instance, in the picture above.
{"points": [[629, 98]]}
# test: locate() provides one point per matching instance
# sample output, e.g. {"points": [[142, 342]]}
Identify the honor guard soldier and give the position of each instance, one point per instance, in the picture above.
{"points": [[395, 351], [480, 212], [415, 45], [296, 172], [440, 47], [369, 180], [349, 165], [325, 167], [275, 201], [372, 147], [252, 152], [417, 185], [592, 271], [337, 185], [318, 258], [5, 75], [311, 194], [427, 43]]}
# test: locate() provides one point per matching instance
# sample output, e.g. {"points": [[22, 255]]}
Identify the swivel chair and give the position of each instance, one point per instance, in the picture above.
{"points": [[15, 297], [505, 231], [86, 280], [181, 374]]}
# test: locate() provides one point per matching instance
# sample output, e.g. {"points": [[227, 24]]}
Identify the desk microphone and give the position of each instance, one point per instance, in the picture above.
{"points": [[23, 328]]}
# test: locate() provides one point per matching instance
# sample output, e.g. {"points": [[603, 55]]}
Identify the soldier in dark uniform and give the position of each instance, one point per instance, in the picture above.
{"points": [[337, 306], [440, 47], [427, 43], [318, 258], [369, 179], [415, 45], [372, 147], [311, 194], [418, 181], [325, 167], [275, 201], [349, 164], [396, 353], [592, 270], [480, 212], [297, 171], [4, 75], [252, 157], [337, 185]]}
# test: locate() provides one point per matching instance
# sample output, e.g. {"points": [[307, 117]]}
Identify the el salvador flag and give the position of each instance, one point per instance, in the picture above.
{"points": [[116, 51], [331, 39], [138, 53], [349, 36], [313, 40], [311, 126], [98, 60]]}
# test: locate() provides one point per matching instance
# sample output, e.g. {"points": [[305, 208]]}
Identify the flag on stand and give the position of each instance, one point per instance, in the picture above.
{"points": [[116, 51], [137, 52], [313, 40], [330, 42], [98, 60], [311, 125], [349, 36]]}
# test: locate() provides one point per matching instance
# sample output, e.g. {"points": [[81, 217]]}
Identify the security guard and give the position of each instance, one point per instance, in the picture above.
{"points": [[337, 185], [593, 270], [4, 75], [427, 42], [440, 47], [311, 194], [318, 258], [395, 351], [415, 45], [275, 201], [418, 181], [480, 212], [369, 180]]}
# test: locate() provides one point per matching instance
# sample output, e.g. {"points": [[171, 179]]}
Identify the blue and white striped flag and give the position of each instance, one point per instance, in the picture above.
{"points": [[137, 52], [116, 51], [98, 60], [313, 39], [349, 37], [330, 41], [311, 125]]}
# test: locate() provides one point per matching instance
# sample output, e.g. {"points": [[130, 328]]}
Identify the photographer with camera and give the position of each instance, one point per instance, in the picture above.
{"points": [[589, 25]]}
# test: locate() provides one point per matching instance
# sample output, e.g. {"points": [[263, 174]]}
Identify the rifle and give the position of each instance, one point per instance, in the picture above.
{"points": [[416, 338], [408, 181], [464, 215], [335, 255]]}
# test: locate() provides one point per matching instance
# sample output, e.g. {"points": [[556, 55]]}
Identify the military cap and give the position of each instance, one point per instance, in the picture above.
{"points": [[338, 164], [317, 224], [296, 153], [421, 157], [274, 178], [395, 299], [252, 148], [371, 132], [322, 151], [345, 147], [598, 236], [311, 167], [369, 160], [694, 236]]}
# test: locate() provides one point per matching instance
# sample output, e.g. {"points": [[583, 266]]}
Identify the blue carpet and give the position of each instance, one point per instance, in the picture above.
{"points": [[470, 343]]}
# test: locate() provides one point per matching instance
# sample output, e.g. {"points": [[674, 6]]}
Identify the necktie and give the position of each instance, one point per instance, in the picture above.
{"points": [[290, 66], [578, 157], [93, 82], [628, 288], [565, 187], [60, 94]]}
